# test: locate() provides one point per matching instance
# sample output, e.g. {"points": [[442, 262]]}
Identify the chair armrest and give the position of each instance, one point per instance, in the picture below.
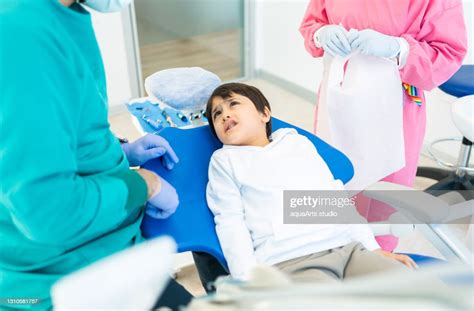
{"points": [[398, 230], [461, 210], [418, 206], [396, 225]]}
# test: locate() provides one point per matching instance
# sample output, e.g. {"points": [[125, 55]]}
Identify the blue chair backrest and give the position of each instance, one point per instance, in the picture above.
{"points": [[192, 226], [461, 83]]}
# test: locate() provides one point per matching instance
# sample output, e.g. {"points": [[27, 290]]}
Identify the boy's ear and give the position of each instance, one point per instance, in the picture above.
{"points": [[266, 115]]}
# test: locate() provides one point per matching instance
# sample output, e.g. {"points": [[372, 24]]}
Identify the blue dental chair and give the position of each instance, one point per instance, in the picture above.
{"points": [[192, 226], [459, 176]]}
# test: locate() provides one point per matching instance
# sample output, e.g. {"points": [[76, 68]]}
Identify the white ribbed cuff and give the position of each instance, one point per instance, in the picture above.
{"points": [[316, 38], [370, 244], [403, 54]]}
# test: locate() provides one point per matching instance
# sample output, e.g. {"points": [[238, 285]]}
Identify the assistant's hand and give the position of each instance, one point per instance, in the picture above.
{"points": [[374, 43], [164, 202], [149, 147], [333, 40], [404, 259]]}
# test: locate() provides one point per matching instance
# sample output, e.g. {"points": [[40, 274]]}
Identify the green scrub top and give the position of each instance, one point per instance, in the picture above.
{"points": [[67, 194]]}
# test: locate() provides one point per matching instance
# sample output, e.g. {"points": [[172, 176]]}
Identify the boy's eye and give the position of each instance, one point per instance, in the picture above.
{"points": [[234, 103], [216, 114]]}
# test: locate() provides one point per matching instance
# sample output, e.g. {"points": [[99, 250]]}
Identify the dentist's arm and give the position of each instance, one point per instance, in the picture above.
{"points": [[438, 49], [429, 52], [320, 36], [49, 196], [223, 198]]}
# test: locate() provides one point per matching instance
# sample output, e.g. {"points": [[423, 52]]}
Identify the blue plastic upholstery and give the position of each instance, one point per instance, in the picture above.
{"points": [[192, 226], [421, 259], [461, 83]]}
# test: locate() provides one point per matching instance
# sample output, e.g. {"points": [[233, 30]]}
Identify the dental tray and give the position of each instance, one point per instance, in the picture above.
{"points": [[151, 117]]}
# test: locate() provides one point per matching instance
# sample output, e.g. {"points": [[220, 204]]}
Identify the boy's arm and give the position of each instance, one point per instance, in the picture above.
{"points": [[223, 198], [363, 234]]}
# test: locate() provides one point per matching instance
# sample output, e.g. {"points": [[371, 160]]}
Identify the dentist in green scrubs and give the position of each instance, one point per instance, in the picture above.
{"points": [[68, 196]]}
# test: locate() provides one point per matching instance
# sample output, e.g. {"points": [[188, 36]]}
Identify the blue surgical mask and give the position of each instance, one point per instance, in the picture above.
{"points": [[106, 6]]}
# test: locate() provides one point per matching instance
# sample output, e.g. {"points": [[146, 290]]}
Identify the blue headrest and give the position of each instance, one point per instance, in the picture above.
{"points": [[192, 226], [186, 88]]}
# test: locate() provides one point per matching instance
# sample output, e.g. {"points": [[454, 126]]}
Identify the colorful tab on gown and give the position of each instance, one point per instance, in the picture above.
{"points": [[412, 92]]}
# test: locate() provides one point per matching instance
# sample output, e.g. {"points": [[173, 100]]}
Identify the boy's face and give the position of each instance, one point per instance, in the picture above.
{"points": [[238, 122]]}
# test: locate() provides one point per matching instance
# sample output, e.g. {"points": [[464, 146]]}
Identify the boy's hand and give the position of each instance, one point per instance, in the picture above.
{"points": [[404, 259]]}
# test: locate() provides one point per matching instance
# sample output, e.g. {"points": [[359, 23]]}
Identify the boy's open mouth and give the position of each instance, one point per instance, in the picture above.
{"points": [[229, 125]]}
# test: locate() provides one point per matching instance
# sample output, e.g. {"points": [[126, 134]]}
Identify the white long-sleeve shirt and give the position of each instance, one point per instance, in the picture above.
{"points": [[245, 194]]}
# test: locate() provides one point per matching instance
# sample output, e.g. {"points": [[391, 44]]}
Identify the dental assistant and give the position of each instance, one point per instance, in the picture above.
{"points": [[427, 39], [68, 196]]}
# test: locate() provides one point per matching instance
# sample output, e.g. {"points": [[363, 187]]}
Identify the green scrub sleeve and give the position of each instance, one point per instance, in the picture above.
{"points": [[137, 188], [64, 179]]}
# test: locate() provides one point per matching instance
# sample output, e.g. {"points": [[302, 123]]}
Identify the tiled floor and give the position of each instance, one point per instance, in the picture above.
{"points": [[295, 110]]}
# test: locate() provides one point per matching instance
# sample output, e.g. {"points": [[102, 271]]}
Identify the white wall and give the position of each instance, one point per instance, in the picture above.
{"points": [[279, 46], [280, 52], [111, 38]]}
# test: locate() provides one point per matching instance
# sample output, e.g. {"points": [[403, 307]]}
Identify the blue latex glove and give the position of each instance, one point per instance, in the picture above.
{"points": [[164, 203], [374, 43], [149, 147], [333, 40]]}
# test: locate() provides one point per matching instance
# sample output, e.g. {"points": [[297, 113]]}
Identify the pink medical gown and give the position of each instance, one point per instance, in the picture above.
{"points": [[436, 34]]}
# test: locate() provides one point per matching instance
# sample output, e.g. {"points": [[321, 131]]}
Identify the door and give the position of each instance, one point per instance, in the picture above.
{"points": [[189, 33]]}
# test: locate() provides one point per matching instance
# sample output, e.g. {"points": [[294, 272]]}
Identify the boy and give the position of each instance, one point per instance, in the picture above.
{"points": [[246, 182]]}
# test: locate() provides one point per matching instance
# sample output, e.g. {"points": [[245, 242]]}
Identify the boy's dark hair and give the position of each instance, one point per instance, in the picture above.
{"points": [[225, 91]]}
